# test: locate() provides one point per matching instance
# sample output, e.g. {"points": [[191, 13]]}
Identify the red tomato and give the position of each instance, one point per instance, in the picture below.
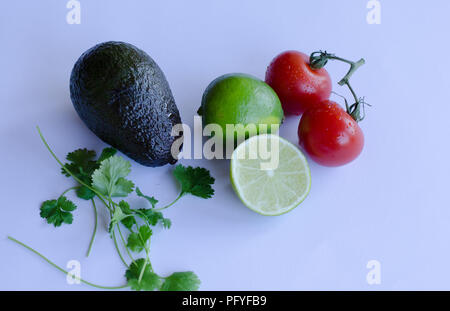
{"points": [[297, 85], [330, 135]]}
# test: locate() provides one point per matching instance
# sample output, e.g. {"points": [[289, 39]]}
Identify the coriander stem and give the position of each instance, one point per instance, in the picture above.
{"points": [[147, 259], [95, 228], [61, 269], [169, 205], [117, 246], [124, 243], [67, 190], [111, 207], [142, 271], [147, 253], [63, 166], [107, 206]]}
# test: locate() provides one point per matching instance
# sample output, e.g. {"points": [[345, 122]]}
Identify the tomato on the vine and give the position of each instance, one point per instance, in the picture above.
{"points": [[330, 135], [298, 86]]}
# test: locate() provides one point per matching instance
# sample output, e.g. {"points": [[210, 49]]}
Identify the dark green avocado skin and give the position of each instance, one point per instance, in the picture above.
{"points": [[122, 96]]}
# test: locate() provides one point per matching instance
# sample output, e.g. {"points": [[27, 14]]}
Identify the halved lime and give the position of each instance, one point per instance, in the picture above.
{"points": [[269, 174]]}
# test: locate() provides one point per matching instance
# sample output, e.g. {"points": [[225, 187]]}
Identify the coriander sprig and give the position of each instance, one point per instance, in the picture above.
{"points": [[61, 269], [105, 179]]}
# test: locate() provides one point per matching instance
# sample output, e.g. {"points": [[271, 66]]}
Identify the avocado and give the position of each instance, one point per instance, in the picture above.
{"points": [[122, 96]]}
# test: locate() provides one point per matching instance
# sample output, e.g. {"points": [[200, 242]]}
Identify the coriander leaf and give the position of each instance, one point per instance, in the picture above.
{"points": [[106, 154], [84, 192], [166, 223], [82, 157], [125, 207], [145, 233], [196, 181], [129, 221], [117, 217], [152, 200], [109, 178], [58, 211], [153, 217], [66, 204], [134, 243], [122, 188], [137, 241], [181, 281], [81, 164], [150, 280]]}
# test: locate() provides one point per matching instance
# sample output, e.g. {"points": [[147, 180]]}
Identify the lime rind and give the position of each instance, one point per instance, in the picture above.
{"points": [[287, 186]]}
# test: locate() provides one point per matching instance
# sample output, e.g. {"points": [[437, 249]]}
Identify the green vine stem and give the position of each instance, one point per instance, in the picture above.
{"points": [[61, 269], [319, 59]]}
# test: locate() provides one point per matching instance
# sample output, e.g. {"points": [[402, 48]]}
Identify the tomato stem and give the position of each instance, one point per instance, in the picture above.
{"points": [[319, 59]]}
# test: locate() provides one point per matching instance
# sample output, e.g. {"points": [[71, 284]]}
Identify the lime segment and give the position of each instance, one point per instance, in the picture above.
{"points": [[270, 175]]}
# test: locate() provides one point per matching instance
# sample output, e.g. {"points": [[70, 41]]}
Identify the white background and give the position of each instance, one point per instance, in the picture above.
{"points": [[391, 204]]}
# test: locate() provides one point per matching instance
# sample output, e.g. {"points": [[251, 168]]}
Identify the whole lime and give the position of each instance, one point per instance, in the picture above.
{"points": [[246, 104]]}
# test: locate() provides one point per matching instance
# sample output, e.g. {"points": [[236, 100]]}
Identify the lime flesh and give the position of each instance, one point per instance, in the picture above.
{"points": [[267, 190]]}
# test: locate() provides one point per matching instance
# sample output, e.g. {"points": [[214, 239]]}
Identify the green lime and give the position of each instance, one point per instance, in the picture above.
{"points": [[240, 99], [270, 185]]}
